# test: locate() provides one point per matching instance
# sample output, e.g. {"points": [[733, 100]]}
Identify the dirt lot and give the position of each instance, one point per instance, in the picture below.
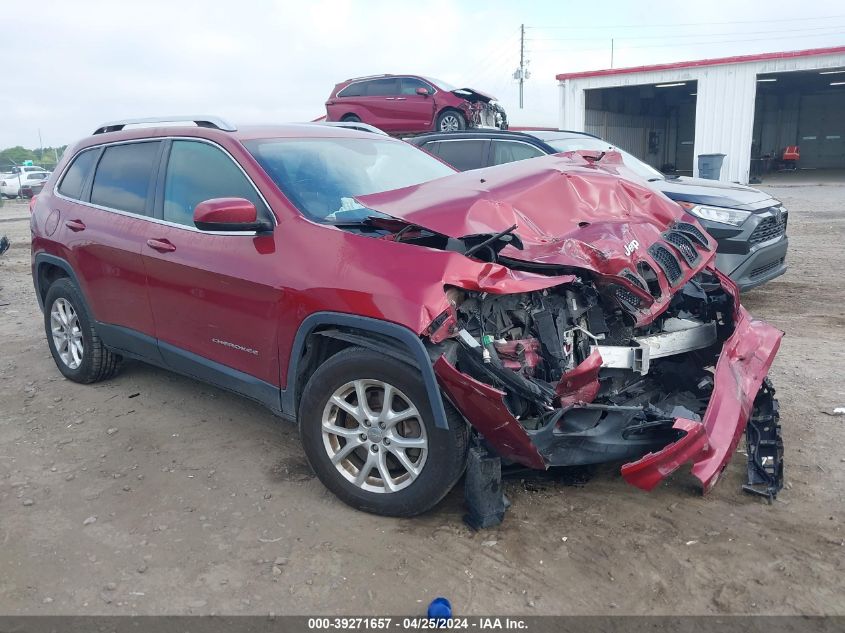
{"points": [[154, 494]]}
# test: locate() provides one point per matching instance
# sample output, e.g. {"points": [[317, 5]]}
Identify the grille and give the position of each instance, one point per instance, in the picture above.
{"points": [[692, 231], [769, 229], [627, 298], [668, 262], [762, 270], [683, 244], [627, 274]]}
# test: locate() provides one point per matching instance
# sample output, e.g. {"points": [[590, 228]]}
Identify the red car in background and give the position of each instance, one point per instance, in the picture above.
{"points": [[408, 104]]}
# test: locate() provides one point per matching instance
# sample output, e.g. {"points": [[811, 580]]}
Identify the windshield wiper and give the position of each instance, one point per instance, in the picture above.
{"points": [[491, 239], [594, 159]]}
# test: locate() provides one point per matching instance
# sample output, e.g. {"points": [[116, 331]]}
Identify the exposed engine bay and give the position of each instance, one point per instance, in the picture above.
{"points": [[582, 380], [483, 110]]}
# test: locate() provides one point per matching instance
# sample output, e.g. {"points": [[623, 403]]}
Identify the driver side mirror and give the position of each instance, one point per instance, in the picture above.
{"points": [[229, 214], [422, 91]]}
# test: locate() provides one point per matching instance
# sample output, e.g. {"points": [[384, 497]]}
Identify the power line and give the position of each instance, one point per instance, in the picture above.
{"points": [[684, 35], [581, 27], [504, 49], [676, 44]]}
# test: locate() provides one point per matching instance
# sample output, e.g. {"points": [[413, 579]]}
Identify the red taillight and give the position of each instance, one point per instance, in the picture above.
{"points": [[32, 203]]}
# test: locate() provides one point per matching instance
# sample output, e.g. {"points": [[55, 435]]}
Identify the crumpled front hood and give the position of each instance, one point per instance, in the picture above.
{"points": [[470, 94], [568, 211]]}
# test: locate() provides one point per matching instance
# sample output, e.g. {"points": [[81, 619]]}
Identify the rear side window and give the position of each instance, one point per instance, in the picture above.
{"points": [[197, 172], [511, 151], [123, 176], [76, 175], [462, 155], [381, 87]]}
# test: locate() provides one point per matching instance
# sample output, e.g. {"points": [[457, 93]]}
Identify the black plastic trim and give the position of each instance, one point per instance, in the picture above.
{"points": [[401, 334], [219, 375], [46, 258]]}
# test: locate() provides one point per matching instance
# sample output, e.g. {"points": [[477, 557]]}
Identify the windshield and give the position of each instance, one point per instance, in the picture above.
{"points": [[443, 85], [322, 176], [642, 170]]}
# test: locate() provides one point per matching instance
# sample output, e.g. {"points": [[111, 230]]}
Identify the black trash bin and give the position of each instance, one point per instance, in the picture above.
{"points": [[710, 165]]}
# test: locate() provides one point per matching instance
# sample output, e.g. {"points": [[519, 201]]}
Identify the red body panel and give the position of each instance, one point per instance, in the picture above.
{"points": [[105, 251], [743, 364], [485, 406], [216, 296]]}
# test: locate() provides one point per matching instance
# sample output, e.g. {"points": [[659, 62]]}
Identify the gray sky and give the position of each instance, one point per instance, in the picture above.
{"points": [[72, 64]]}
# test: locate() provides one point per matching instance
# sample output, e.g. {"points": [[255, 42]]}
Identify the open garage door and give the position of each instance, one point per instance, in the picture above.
{"points": [[654, 122], [804, 109]]}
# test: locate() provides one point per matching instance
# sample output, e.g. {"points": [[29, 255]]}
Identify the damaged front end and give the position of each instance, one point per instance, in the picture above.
{"points": [[483, 111], [615, 338]]}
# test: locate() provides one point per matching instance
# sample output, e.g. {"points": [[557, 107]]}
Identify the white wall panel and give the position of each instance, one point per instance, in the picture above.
{"points": [[725, 103]]}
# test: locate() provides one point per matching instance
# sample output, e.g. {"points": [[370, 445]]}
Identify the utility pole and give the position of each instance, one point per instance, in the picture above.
{"points": [[611, 52], [521, 73]]}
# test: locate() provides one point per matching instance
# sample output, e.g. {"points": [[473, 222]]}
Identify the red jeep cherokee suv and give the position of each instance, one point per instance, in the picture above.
{"points": [[549, 312], [408, 104]]}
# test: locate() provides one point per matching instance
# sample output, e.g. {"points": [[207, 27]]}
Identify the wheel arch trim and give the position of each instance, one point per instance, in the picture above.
{"points": [[402, 335], [45, 258]]}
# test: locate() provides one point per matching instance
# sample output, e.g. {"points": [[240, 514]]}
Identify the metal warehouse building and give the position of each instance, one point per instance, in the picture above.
{"points": [[749, 108]]}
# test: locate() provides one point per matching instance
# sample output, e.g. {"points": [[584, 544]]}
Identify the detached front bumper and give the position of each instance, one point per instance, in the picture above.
{"points": [[743, 365]]}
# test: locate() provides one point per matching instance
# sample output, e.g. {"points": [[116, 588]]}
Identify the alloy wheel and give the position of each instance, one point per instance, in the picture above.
{"points": [[374, 436], [450, 123], [67, 335]]}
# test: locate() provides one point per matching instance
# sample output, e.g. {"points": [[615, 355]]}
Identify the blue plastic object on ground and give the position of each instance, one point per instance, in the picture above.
{"points": [[440, 608]]}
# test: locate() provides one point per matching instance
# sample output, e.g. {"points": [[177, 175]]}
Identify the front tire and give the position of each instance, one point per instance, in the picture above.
{"points": [[450, 121], [351, 118], [368, 432], [73, 340]]}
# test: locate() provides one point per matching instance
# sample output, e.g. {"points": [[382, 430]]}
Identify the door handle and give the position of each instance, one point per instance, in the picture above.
{"points": [[401, 98], [75, 225], [162, 246], [389, 98]]}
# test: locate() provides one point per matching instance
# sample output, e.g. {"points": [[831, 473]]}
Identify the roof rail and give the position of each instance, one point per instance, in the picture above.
{"points": [[200, 120], [371, 77], [353, 125]]}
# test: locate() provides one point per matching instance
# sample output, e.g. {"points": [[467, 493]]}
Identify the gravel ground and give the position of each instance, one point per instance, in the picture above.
{"points": [[153, 494]]}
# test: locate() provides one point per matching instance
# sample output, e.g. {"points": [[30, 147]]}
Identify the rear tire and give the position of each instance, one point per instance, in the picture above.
{"points": [[386, 457], [351, 118], [73, 340]]}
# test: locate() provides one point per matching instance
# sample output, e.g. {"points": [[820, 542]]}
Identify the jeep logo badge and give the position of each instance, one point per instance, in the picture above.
{"points": [[631, 246]]}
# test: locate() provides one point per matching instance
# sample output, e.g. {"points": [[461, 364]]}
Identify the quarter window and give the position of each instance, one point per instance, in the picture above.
{"points": [[409, 86], [123, 176], [197, 172], [509, 152], [353, 90], [76, 175]]}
